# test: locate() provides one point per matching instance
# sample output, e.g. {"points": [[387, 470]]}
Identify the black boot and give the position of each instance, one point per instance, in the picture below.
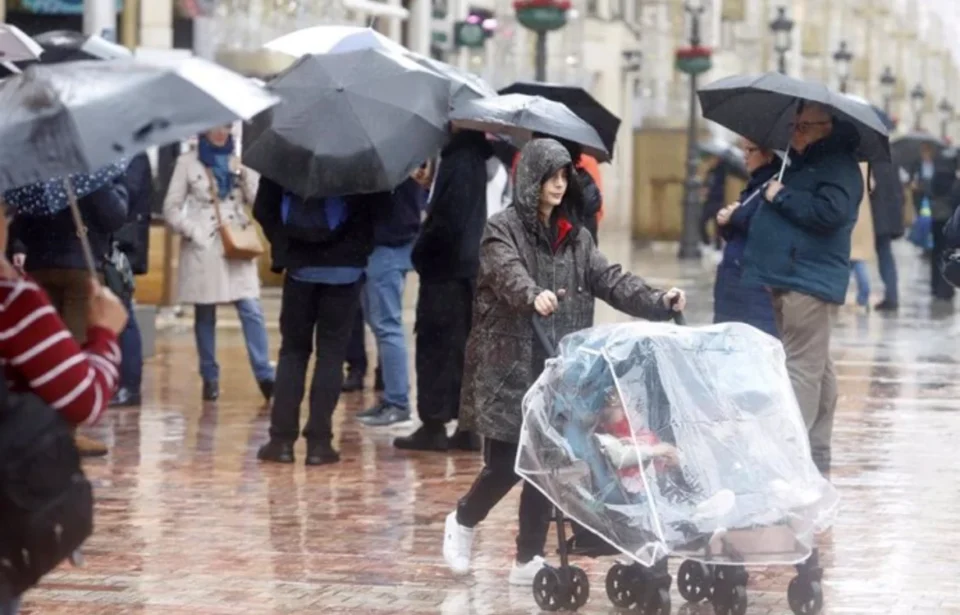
{"points": [[276, 451], [465, 441], [211, 390], [353, 381], [321, 453], [424, 439]]}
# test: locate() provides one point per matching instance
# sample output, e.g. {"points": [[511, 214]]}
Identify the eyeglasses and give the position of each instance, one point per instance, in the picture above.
{"points": [[804, 127]]}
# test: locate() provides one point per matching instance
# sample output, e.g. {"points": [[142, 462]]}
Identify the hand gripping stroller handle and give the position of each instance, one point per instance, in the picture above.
{"points": [[677, 317], [541, 334]]}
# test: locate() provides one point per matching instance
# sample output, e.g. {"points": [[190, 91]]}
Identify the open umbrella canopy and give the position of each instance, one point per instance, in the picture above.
{"points": [[332, 39], [69, 46], [464, 86], [905, 150], [50, 197], [731, 155], [520, 116], [349, 123], [15, 46], [78, 117], [579, 101], [763, 107]]}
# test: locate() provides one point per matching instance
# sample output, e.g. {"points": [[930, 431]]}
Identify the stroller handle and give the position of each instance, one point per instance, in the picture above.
{"points": [[541, 334]]}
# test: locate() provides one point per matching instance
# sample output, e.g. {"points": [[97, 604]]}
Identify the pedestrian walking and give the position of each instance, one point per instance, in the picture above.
{"points": [[862, 242], [533, 254], [210, 190], [714, 196], [799, 247], [886, 203], [734, 300], [323, 246]]}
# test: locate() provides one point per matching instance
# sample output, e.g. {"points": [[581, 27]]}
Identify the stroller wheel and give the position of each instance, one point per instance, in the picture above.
{"points": [[730, 600], [620, 586], [805, 596], [548, 590], [656, 602], [579, 588], [694, 581]]}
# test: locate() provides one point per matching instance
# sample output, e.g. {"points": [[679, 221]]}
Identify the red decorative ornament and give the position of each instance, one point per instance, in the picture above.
{"points": [[693, 60], [563, 5], [691, 53]]}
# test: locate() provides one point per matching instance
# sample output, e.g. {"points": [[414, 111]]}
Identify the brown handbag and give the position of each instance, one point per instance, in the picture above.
{"points": [[240, 242]]}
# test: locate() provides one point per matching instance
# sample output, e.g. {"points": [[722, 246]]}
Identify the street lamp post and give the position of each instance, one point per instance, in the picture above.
{"points": [[843, 58], [781, 27], [917, 96], [693, 61], [887, 84], [542, 17], [946, 114]]}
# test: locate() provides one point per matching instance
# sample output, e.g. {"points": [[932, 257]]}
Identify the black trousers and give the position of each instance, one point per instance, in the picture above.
{"points": [[311, 313], [939, 287], [495, 480], [444, 315], [357, 349]]}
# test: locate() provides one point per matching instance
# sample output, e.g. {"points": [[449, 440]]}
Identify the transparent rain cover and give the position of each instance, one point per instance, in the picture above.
{"points": [[663, 439]]}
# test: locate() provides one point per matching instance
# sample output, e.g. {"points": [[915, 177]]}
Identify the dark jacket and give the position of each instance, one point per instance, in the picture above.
{"points": [[51, 242], [801, 241], [716, 187], [733, 300], [350, 246], [886, 200], [449, 244], [134, 236], [939, 189], [399, 225], [520, 258]]}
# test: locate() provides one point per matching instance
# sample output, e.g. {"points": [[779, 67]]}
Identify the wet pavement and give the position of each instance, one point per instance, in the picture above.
{"points": [[190, 523]]}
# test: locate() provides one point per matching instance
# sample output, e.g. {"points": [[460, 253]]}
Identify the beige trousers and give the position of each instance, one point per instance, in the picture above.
{"points": [[805, 324]]}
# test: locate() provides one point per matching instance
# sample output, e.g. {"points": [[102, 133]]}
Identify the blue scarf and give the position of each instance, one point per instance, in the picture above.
{"points": [[217, 159]]}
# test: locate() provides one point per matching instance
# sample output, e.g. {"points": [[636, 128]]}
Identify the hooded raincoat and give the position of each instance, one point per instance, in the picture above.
{"points": [[519, 259]]}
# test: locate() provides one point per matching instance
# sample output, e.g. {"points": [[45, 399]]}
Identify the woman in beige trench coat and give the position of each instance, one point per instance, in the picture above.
{"points": [[862, 246], [206, 277]]}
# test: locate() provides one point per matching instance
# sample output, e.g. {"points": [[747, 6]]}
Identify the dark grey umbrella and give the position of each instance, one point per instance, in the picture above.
{"points": [[731, 156], [519, 116], [464, 86], [763, 107], [349, 123], [906, 149], [78, 117]]}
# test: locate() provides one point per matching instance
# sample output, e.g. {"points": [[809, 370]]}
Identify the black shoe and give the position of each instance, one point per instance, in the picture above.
{"points": [[378, 380], [465, 441], [125, 398], [424, 439], [321, 453], [211, 390], [353, 382], [388, 415], [266, 387], [886, 306], [276, 451]]}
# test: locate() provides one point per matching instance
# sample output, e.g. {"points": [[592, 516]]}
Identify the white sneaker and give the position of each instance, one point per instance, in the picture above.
{"points": [[457, 545], [523, 574]]}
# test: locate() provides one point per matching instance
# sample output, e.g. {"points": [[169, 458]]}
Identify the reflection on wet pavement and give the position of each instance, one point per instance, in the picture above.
{"points": [[189, 523]]}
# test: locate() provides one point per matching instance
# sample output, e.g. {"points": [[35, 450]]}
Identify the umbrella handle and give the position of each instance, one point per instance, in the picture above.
{"points": [[81, 229]]}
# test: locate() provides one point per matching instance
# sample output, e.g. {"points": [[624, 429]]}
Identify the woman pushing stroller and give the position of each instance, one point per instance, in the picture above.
{"points": [[534, 255]]}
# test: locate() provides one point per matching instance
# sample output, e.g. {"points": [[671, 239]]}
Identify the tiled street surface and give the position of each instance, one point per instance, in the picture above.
{"points": [[190, 523]]}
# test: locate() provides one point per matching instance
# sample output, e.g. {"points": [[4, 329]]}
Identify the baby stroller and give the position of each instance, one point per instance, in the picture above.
{"points": [[661, 440]]}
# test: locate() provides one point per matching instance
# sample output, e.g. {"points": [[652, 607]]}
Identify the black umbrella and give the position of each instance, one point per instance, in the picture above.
{"points": [[520, 116], [579, 101], [464, 86], [349, 123], [730, 155], [905, 150], [763, 107], [69, 46], [78, 117]]}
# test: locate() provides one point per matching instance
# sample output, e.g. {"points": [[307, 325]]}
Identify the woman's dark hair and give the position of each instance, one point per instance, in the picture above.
{"points": [[572, 205]]}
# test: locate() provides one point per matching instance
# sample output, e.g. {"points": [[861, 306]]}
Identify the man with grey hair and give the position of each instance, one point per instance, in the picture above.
{"points": [[799, 248]]}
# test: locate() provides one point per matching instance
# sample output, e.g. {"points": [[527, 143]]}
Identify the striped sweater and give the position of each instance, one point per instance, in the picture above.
{"points": [[39, 355]]}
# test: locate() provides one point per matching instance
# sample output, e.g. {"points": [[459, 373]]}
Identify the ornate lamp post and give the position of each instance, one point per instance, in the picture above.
{"points": [[541, 17], [692, 60], [887, 84], [946, 115], [843, 58], [781, 27], [917, 96]]}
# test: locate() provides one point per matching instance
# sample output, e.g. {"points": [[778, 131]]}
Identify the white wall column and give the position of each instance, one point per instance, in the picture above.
{"points": [[100, 18], [421, 23], [156, 24]]}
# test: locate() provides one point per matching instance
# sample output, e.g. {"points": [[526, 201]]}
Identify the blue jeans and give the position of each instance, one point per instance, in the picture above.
{"points": [[10, 607], [888, 270], [131, 347], [382, 300], [254, 333], [862, 277]]}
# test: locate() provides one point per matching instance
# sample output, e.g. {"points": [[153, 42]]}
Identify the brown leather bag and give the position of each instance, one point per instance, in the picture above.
{"points": [[240, 242]]}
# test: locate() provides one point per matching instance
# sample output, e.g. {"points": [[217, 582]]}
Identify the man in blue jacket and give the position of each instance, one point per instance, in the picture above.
{"points": [[799, 248]]}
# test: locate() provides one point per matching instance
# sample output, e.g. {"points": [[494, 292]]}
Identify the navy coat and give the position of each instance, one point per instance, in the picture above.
{"points": [[734, 300]]}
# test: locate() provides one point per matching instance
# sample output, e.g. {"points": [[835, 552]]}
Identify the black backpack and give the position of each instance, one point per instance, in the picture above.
{"points": [[46, 502]]}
